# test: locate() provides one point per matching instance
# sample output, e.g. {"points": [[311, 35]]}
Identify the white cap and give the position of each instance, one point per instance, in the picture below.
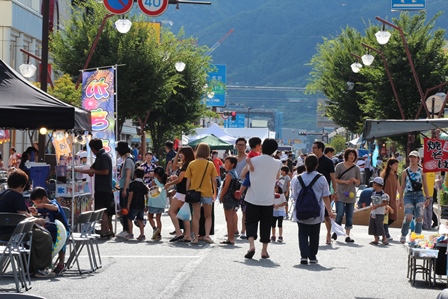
{"points": [[365, 156], [82, 154], [378, 180], [415, 154]]}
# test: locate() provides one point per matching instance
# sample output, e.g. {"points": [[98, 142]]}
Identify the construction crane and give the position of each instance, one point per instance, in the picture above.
{"points": [[218, 43]]}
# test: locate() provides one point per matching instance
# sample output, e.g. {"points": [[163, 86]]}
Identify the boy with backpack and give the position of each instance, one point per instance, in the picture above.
{"points": [[313, 197]]}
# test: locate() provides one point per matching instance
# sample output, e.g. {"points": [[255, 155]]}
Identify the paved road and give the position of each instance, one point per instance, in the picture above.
{"points": [[166, 270]]}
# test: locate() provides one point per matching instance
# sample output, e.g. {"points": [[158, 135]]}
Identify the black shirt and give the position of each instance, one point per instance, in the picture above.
{"points": [[11, 202], [139, 190], [103, 161], [182, 186], [326, 167], [170, 156]]}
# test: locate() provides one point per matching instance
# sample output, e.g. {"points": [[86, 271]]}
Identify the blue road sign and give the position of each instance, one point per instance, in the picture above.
{"points": [[217, 80], [408, 4], [239, 122]]}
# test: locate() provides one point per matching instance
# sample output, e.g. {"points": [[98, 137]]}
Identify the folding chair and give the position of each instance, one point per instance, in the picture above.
{"points": [[97, 216], [80, 240], [11, 220], [11, 255], [68, 215], [25, 249]]}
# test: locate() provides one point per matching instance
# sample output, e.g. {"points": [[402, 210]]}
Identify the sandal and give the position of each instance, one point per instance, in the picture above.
{"points": [[385, 242], [185, 241], [176, 238], [266, 256], [208, 240], [373, 243], [227, 242], [249, 254], [403, 239]]}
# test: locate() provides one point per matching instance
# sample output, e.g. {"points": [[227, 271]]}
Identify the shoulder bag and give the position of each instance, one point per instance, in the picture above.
{"points": [[347, 170], [416, 186], [193, 196]]}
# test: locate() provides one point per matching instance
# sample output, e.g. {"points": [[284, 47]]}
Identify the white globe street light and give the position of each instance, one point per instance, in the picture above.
{"points": [[367, 59], [180, 66], [356, 67], [382, 37], [27, 70], [123, 25], [350, 85]]}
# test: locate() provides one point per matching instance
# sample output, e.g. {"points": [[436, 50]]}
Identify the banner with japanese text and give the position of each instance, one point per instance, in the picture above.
{"points": [[435, 157], [98, 92], [62, 144]]}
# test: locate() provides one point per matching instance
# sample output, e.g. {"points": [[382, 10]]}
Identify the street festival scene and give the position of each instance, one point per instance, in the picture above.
{"points": [[223, 148]]}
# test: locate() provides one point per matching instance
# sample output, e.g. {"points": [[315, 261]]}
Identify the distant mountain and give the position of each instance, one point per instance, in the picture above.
{"points": [[274, 41]]}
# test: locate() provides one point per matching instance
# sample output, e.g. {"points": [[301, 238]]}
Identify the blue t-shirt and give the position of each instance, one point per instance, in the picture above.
{"points": [[53, 215], [365, 197]]}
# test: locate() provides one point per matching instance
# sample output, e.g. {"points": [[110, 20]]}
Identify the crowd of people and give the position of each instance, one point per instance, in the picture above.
{"points": [[265, 186]]}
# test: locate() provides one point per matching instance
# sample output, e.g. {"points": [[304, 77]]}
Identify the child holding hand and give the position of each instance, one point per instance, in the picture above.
{"points": [[378, 207]]}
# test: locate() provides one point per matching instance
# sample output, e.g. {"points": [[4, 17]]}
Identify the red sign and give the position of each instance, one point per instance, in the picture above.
{"points": [[153, 8], [435, 157], [118, 7]]}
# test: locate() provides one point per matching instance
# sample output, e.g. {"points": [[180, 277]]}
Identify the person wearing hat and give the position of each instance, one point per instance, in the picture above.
{"points": [[378, 208], [126, 175], [413, 202], [102, 170]]}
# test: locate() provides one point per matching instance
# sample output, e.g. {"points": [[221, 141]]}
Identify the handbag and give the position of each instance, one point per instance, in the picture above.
{"points": [[193, 196], [416, 186]]}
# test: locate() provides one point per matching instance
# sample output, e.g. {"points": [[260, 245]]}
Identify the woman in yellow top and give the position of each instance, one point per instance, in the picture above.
{"points": [[208, 188]]}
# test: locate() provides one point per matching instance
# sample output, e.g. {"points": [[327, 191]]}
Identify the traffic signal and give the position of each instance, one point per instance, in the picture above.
{"points": [[233, 115], [302, 133]]}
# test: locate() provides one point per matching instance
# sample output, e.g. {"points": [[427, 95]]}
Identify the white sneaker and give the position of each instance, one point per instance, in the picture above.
{"points": [[123, 234]]}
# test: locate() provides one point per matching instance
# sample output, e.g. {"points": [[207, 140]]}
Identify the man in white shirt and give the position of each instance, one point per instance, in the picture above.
{"points": [[260, 197]]}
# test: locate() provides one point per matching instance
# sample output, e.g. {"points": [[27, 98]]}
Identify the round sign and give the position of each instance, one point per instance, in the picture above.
{"points": [[153, 8], [118, 7], [436, 102]]}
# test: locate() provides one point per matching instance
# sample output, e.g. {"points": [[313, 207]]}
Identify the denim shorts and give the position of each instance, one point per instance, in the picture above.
{"points": [[152, 210], [136, 213], [206, 200]]}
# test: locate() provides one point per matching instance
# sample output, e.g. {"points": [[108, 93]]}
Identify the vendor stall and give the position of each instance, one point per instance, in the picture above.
{"points": [[24, 106]]}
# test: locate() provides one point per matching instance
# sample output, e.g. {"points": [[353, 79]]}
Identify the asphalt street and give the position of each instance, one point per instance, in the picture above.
{"points": [[160, 269]]}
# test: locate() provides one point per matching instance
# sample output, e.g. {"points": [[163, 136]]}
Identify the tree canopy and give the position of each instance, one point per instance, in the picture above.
{"points": [[149, 86], [372, 95]]}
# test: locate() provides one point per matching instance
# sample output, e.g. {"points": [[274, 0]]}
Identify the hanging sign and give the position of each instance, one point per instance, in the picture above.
{"points": [[153, 8], [435, 157]]}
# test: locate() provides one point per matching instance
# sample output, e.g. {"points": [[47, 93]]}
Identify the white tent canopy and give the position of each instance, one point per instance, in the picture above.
{"points": [[214, 129]]}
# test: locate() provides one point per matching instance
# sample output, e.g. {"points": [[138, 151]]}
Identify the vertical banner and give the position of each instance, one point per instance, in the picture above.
{"points": [[217, 80], [62, 144], [98, 91], [435, 157]]}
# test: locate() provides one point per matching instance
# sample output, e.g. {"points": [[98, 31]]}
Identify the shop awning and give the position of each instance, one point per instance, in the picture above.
{"points": [[392, 127]]}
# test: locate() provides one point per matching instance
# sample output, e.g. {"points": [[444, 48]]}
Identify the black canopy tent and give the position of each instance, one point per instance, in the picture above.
{"points": [[24, 106], [392, 127]]}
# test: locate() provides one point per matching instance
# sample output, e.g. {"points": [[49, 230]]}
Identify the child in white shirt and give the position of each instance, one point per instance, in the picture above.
{"points": [[279, 212]]}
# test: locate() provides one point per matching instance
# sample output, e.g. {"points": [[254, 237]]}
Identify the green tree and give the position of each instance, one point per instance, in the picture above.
{"points": [[338, 143], [64, 90], [148, 80], [372, 96]]}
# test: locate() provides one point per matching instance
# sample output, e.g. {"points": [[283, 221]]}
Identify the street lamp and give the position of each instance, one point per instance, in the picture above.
{"points": [[123, 25], [367, 59], [356, 66], [388, 75], [180, 66], [27, 70], [384, 39]]}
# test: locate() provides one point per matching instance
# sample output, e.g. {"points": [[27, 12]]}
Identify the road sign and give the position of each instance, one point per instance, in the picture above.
{"points": [[118, 7], [153, 8], [408, 4], [237, 123], [217, 80]]}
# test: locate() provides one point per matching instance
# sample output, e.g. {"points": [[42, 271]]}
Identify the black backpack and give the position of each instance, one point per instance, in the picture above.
{"points": [[307, 205]]}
